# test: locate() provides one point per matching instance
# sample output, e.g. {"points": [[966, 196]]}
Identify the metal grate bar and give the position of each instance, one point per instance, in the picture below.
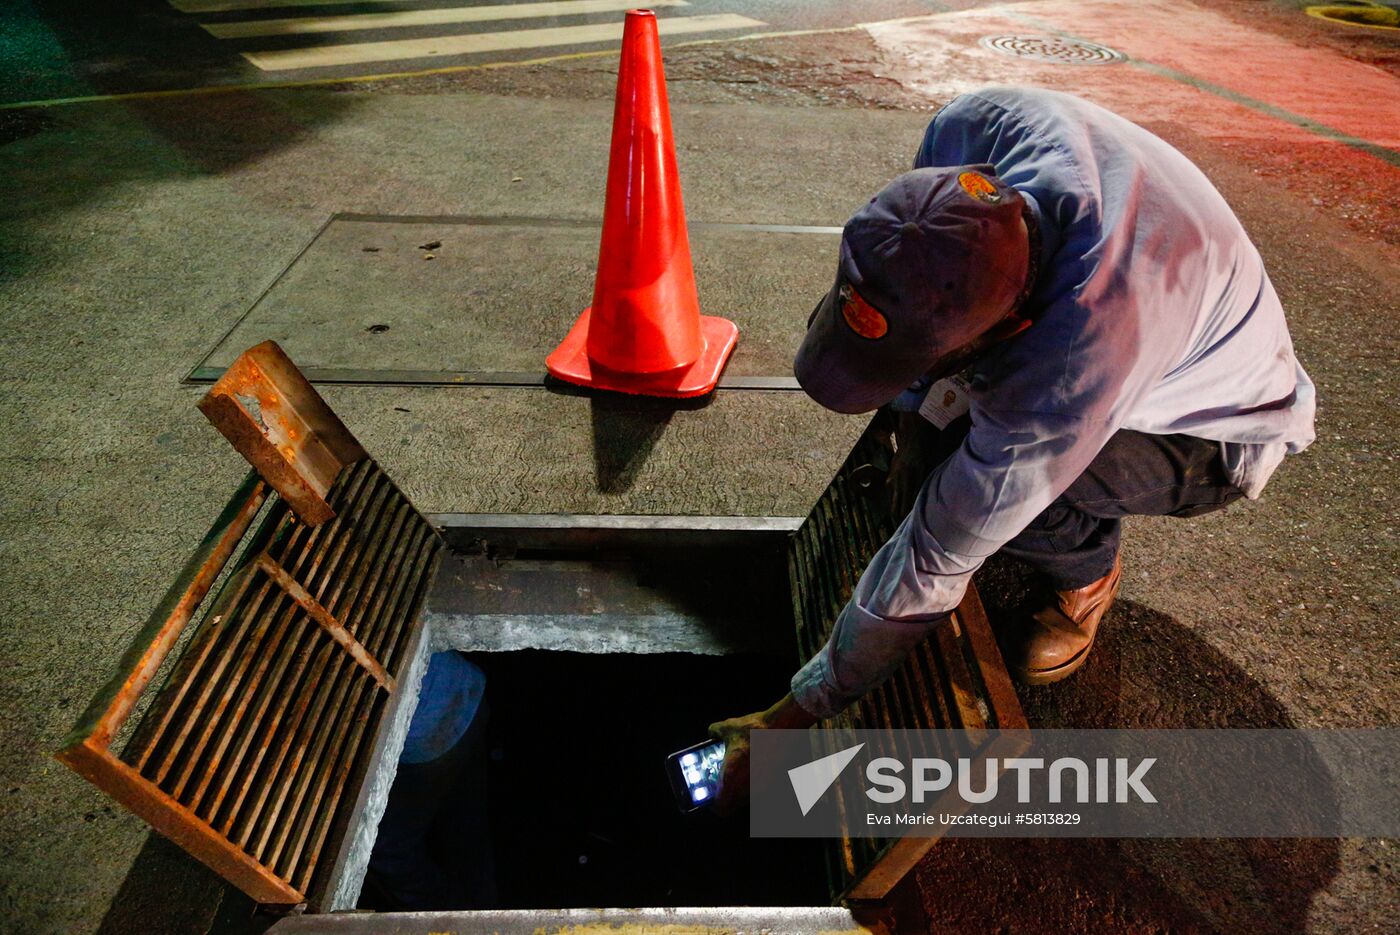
{"points": [[260, 694], [327, 621], [342, 719], [927, 660], [230, 621], [152, 729], [322, 725], [222, 624], [205, 726], [307, 865], [951, 680], [295, 731], [289, 664], [961, 690]]}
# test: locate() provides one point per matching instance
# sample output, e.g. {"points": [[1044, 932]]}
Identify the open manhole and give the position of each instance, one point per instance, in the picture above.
{"points": [[1054, 49], [270, 747]]}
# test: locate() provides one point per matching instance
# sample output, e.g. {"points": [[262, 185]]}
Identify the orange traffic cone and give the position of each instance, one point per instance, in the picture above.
{"points": [[644, 333]]}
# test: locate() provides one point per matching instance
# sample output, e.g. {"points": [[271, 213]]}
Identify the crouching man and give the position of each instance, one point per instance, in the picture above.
{"points": [[1121, 349]]}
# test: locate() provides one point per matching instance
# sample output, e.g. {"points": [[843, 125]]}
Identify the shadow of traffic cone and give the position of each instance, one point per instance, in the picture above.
{"points": [[644, 333]]}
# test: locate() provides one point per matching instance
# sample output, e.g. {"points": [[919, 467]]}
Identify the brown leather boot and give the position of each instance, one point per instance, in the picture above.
{"points": [[1060, 636]]}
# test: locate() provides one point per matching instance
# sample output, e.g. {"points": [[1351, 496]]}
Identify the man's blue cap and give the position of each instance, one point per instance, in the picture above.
{"points": [[933, 261]]}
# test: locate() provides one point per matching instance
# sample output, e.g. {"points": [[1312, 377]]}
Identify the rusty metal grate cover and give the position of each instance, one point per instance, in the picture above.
{"points": [[258, 726], [953, 680], [1062, 51], [246, 755], [254, 754], [269, 714]]}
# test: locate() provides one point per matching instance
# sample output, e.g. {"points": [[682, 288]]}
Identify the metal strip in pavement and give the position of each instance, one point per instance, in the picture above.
{"points": [[272, 284], [431, 17], [355, 53], [507, 221], [352, 376]]}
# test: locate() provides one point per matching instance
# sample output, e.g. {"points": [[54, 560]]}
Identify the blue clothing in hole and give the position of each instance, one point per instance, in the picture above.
{"points": [[447, 702]]}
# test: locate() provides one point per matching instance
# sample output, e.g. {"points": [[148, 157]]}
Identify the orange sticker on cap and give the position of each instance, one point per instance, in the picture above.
{"points": [[980, 187], [864, 318]]}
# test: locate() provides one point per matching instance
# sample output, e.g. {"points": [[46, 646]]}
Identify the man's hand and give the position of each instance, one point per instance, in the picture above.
{"points": [[734, 773]]}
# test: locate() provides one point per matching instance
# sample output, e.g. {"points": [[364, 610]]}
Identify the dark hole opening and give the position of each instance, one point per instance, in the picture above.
{"points": [[566, 778], [562, 799]]}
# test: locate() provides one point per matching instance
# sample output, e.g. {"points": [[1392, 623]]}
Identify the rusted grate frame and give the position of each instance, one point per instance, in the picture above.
{"points": [[204, 743], [87, 748], [954, 680], [245, 754], [256, 731], [276, 419]]}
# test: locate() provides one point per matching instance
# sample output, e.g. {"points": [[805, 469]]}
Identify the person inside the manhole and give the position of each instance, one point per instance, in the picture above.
{"points": [[1066, 325]]}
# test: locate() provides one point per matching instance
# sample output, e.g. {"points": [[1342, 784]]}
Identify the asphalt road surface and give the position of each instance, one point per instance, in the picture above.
{"points": [[70, 48], [136, 232]]}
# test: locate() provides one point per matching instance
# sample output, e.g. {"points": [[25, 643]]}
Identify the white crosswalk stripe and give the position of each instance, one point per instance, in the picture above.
{"points": [[435, 17], [313, 54], [228, 6], [356, 53]]}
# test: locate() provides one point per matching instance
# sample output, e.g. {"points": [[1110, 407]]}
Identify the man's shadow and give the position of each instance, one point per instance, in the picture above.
{"points": [[1147, 671]]}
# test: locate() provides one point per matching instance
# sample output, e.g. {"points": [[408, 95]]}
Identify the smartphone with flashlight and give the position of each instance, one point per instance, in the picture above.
{"points": [[694, 774]]}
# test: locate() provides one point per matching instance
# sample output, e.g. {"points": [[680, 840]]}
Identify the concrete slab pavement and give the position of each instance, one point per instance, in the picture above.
{"points": [[136, 235], [441, 293]]}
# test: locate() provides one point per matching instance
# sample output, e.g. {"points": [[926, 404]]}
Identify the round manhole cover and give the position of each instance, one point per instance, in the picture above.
{"points": [[1054, 49]]}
